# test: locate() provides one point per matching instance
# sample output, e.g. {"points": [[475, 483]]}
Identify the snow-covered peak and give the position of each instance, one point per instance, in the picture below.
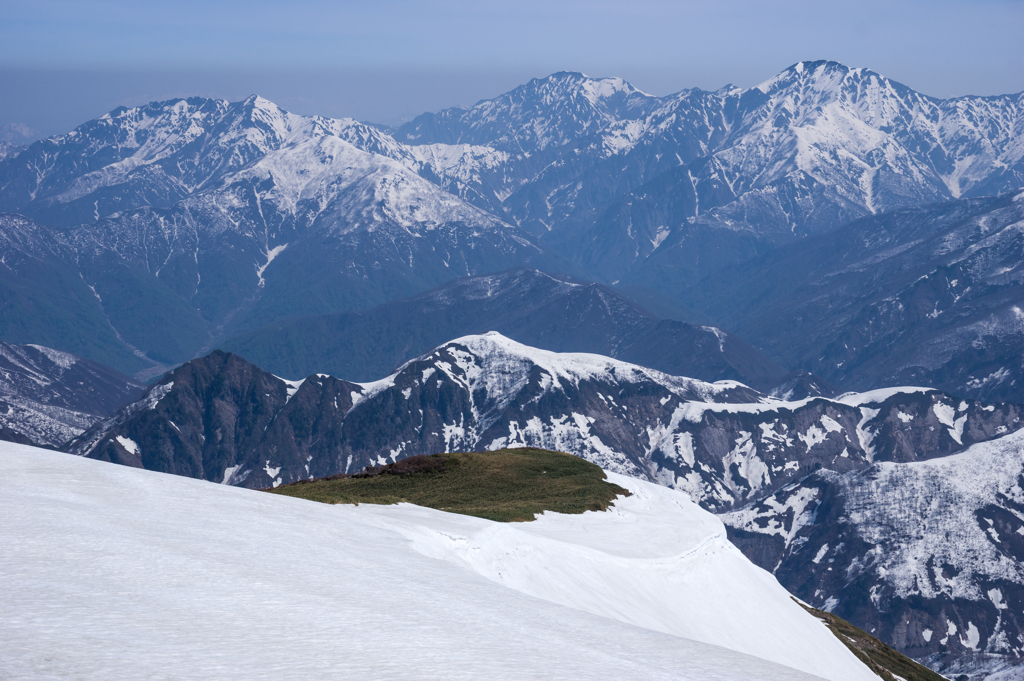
{"points": [[821, 74], [567, 84], [174, 148], [503, 366], [862, 136], [260, 102], [361, 189], [541, 114]]}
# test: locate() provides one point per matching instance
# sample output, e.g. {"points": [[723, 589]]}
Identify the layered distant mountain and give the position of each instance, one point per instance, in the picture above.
{"points": [[618, 177], [552, 312], [924, 296], [189, 217]]}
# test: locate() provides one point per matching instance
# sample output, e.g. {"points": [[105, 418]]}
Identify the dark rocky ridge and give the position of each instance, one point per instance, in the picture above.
{"points": [[222, 419]]}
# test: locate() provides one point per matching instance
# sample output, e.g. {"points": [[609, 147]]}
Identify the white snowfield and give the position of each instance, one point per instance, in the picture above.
{"points": [[112, 572]]}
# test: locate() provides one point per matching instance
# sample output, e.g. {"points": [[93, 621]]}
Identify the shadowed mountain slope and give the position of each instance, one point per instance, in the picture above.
{"points": [[552, 312]]}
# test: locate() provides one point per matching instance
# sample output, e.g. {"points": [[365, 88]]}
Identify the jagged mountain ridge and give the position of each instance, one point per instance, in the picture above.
{"points": [[50, 397], [344, 229], [154, 155], [596, 168], [227, 216], [543, 113], [723, 443], [816, 145], [160, 153], [547, 311]]}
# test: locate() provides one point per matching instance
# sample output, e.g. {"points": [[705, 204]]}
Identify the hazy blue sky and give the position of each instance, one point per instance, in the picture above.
{"points": [[65, 61]]}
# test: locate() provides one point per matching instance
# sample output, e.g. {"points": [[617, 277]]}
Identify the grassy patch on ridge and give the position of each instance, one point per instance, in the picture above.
{"points": [[508, 485]]}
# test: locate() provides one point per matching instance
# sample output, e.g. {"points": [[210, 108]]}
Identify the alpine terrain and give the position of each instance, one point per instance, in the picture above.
{"points": [[796, 306]]}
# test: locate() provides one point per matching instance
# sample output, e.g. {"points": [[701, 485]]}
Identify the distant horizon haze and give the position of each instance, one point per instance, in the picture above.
{"points": [[63, 63]]}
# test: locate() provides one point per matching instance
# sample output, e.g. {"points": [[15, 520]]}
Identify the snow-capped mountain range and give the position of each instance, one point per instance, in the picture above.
{"points": [[228, 216], [190, 209], [840, 222], [723, 443], [818, 144]]}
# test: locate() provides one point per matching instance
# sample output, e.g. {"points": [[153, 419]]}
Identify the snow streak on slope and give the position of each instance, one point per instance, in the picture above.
{"points": [[254, 586], [936, 510]]}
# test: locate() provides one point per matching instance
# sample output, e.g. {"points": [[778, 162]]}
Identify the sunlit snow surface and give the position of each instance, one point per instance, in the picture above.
{"points": [[112, 572]]}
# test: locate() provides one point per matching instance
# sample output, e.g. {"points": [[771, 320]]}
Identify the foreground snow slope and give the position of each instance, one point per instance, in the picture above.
{"points": [[113, 572], [655, 559]]}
